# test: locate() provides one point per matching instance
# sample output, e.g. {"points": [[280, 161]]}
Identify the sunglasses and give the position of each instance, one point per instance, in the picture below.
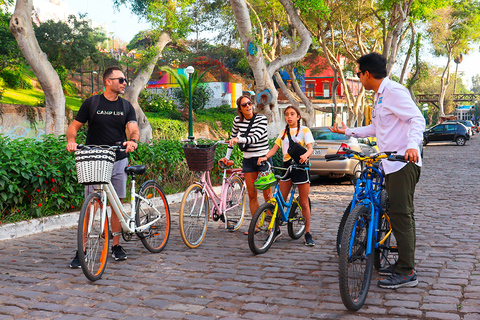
{"points": [[359, 73], [249, 103], [120, 80]]}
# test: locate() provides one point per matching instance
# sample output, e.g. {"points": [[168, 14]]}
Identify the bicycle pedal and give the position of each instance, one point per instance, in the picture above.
{"points": [[393, 249]]}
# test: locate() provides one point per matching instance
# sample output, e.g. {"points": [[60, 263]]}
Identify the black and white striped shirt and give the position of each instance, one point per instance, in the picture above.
{"points": [[257, 138]]}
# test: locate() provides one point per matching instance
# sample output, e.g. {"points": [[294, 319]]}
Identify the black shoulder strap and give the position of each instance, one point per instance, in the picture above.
{"points": [[249, 126], [125, 106], [94, 107], [289, 136]]}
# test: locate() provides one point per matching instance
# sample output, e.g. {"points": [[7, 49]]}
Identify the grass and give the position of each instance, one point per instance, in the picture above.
{"points": [[31, 97]]}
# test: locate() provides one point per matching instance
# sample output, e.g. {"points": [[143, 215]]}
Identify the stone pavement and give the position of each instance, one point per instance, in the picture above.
{"points": [[222, 279]]}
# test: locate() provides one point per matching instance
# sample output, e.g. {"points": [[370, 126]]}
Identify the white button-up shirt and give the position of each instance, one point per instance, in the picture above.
{"points": [[397, 123]]}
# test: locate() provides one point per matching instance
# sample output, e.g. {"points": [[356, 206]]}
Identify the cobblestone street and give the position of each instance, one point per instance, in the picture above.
{"points": [[222, 279]]}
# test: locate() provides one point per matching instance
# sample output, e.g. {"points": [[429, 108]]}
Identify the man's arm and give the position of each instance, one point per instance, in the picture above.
{"points": [[132, 127], [72, 135]]}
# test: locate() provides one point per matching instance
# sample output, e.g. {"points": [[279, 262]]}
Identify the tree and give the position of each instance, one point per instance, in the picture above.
{"points": [[170, 21], [452, 31], [10, 53], [476, 84], [262, 72], [22, 28], [69, 43]]}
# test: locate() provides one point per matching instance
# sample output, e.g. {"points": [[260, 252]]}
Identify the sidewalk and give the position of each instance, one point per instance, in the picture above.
{"points": [[66, 220]]}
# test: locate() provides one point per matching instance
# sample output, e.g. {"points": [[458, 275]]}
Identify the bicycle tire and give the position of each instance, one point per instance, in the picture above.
{"points": [[296, 223], [380, 256], [260, 237], [355, 270], [193, 217], [92, 239], [155, 238], [341, 226], [236, 198]]}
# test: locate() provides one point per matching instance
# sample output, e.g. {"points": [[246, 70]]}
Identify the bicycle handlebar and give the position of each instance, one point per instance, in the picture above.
{"points": [[118, 147], [287, 170], [349, 153]]}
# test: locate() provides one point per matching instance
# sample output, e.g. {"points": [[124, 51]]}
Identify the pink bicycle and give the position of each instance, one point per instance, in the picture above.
{"points": [[228, 207]]}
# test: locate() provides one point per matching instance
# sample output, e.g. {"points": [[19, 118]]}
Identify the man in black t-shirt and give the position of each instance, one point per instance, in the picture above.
{"points": [[107, 122]]}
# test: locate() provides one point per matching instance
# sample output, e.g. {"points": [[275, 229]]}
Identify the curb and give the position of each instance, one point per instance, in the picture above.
{"points": [[66, 220]]}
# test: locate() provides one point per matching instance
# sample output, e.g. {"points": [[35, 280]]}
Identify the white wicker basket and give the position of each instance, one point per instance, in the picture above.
{"points": [[94, 166]]}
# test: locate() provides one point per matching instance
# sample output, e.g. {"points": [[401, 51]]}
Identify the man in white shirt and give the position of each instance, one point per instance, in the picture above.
{"points": [[398, 125]]}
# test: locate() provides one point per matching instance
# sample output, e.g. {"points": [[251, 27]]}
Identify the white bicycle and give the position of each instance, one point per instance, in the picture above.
{"points": [[149, 217]]}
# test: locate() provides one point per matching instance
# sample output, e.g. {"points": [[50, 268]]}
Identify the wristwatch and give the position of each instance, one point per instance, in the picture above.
{"points": [[134, 141]]}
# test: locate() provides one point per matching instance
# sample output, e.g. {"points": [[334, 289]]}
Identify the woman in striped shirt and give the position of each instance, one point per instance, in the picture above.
{"points": [[254, 145]]}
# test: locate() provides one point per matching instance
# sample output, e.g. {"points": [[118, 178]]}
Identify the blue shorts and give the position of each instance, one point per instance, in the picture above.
{"points": [[119, 179], [250, 165]]}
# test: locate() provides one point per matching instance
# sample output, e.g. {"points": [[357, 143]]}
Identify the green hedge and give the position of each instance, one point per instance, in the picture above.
{"points": [[37, 178]]}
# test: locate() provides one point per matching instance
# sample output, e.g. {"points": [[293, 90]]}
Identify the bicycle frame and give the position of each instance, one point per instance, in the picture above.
{"points": [[219, 201], [368, 194], [278, 199], [127, 221]]}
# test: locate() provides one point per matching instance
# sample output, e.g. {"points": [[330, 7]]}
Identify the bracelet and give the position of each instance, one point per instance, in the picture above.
{"points": [[134, 141]]}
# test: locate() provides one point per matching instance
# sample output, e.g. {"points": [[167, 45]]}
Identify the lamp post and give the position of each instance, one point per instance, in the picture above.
{"points": [[189, 71], [91, 77], [425, 109]]}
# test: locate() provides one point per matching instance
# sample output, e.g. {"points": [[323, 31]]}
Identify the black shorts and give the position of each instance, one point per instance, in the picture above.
{"points": [[298, 176], [250, 165]]}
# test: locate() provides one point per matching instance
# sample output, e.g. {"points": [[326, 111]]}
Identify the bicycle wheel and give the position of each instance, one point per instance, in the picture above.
{"points": [[260, 236], [296, 223], [341, 226], [193, 217], [380, 256], [93, 237], [235, 204], [355, 268], [152, 206]]}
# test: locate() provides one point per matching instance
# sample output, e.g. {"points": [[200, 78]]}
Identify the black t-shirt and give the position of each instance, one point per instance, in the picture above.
{"points": [[109, 122]]}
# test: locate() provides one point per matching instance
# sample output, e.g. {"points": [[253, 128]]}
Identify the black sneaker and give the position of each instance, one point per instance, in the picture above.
{"points": [[397, 280], [278, 234], [75, 264], [308, 240], [387, 270], [119, 253]]}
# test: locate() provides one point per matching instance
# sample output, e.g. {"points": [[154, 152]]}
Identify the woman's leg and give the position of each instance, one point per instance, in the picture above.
{"points": [[250, 177], [303, 191]]}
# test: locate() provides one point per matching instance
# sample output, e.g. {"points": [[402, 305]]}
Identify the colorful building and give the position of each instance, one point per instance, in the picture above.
{"points": [[223, 92]]}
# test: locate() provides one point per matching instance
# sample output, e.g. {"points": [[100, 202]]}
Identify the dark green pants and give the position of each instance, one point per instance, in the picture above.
{"points": [[401, 189]]}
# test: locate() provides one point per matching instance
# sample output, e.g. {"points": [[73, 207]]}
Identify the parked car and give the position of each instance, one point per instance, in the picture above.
{"points": [[327, 142], [467, 123], [455, 132]]}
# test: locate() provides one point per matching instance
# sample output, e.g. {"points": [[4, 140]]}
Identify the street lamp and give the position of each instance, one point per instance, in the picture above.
{"points": [[189, 71], [91, 78], [425, 109]]}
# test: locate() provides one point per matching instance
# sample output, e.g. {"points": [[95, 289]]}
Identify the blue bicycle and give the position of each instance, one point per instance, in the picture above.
{"points": [[265, 224], [365, 238]]}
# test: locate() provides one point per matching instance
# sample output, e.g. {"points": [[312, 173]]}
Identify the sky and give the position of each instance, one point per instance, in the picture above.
{"points": [[125, 25]]}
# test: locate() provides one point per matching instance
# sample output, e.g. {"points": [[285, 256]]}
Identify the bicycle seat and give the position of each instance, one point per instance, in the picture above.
{"points": [[225, 163], [140, 169]]}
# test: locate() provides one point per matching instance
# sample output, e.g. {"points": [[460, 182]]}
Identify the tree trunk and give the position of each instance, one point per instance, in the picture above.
{"points": [[263, 74], [139, 84], [445, 81], [309, 116], [22, 28]]}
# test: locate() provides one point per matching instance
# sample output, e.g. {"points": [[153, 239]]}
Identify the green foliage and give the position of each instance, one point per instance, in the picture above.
{"points": [[9, 51], [200, 96], [15, 78], [168, 129], [37, 178], [476, 84], [156, 102], [68, 44], [183, 81], [224, 113]]}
